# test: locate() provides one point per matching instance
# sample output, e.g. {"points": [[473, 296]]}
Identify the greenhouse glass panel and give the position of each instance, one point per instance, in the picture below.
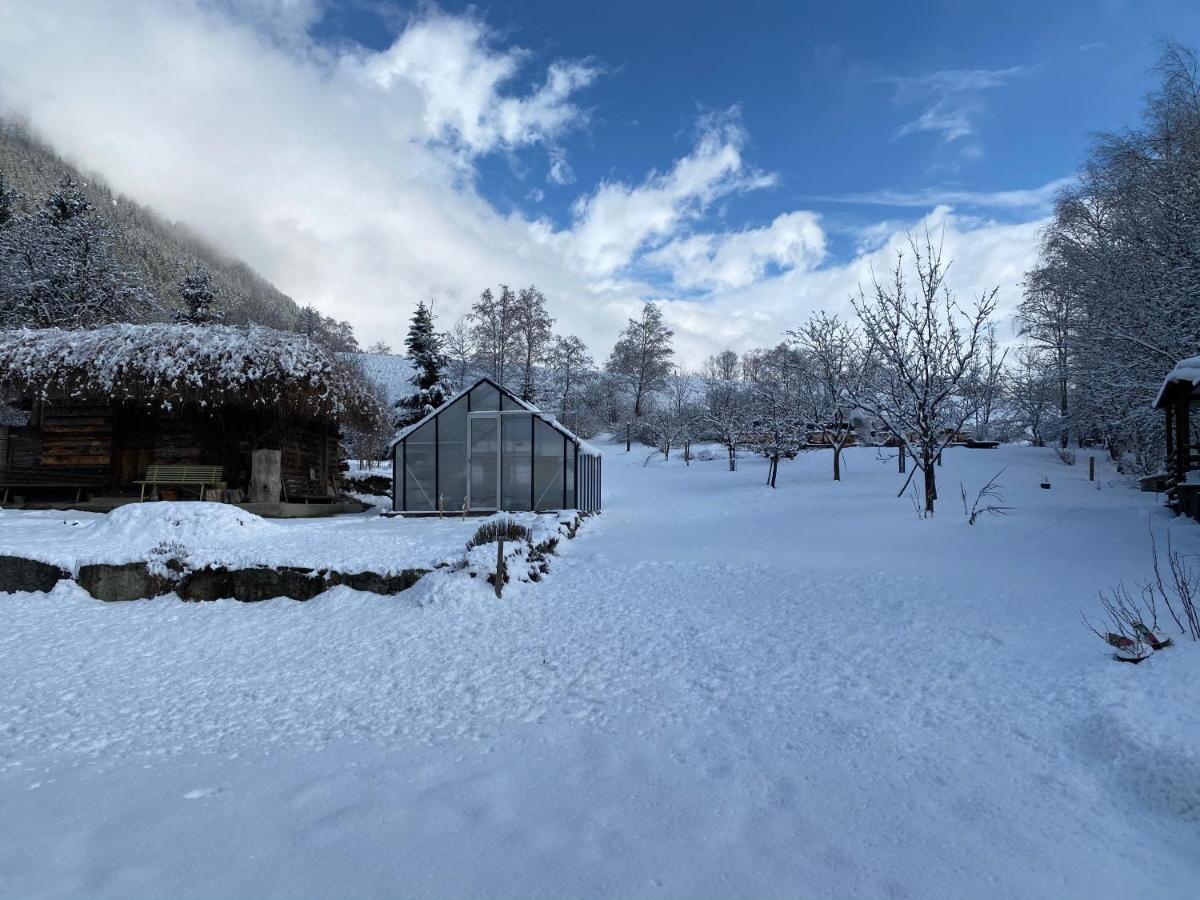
{"points": [[452, 455], [571, 504], [549, 447], [484, 397], [516, 459], [419, 473]]}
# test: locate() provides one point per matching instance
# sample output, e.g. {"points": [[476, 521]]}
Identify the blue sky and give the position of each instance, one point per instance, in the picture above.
{"points": [[744, 165], [826, 90]]}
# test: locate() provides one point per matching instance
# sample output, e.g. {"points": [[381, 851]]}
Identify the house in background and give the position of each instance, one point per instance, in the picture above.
{"points": [[486, 450], [89, 412]]}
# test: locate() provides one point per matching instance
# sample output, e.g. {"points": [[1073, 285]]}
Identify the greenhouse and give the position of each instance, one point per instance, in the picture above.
{"points": [[486, 450]]}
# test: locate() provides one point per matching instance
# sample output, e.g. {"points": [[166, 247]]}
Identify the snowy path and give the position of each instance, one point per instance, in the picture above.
{"points": [[719, 691]]}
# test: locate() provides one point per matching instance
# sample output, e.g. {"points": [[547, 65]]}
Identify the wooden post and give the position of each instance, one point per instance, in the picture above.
{"points": [[628, 435], [266, 476], [903, 465], [499, 576], [1091, 468], [939, 459]]}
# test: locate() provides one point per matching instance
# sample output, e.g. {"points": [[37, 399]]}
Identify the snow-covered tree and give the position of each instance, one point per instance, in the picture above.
{"points": [[532, 338], [495, 333], [569, 365], [642, 355], [9, 199], [828, 362], [380, 348], [424, 346], [460, 352], [726, 414], [920, 348], [57, 267], [329, 333], [777, 429], [199, 298], [722, 366], [986, 382], [672, 418], [1030, 389]]}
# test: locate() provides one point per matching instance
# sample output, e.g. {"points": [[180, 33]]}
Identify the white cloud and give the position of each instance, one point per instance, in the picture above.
{"points": [[616, 220], [953, 99], [357, 193], [452, 62], [717, 261], [1039, 198]]}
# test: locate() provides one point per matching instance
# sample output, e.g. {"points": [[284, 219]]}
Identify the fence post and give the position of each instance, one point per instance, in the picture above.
{"points": [[902, 462], [499, 576], [628, 435], [1091, 468]]}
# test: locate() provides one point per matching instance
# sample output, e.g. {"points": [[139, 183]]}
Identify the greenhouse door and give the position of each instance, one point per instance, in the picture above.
{"points": [[483, 440]]}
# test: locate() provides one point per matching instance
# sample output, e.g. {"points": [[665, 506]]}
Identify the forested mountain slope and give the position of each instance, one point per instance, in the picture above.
{"points": [[159, 251]]}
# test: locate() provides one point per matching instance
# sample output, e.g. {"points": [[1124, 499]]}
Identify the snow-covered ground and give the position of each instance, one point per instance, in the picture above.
{"points": [[719, 690]]}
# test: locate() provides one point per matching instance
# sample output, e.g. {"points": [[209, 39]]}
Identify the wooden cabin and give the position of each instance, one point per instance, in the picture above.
{"points": [[1176, 398], [485, 450], [92, 410]]}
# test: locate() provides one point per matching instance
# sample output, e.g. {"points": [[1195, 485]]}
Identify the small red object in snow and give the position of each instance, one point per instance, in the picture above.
{"points": [[1118, 640]]}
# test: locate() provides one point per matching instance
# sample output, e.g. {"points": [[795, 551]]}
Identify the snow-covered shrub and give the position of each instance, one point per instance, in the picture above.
{"points": [[499, 529]]}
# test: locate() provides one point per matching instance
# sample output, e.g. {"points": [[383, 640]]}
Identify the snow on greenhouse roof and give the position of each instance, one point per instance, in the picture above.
{"points": [[170, 365]]}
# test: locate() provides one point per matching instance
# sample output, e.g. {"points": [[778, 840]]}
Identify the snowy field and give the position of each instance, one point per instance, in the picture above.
{"points": [[720, 691]]}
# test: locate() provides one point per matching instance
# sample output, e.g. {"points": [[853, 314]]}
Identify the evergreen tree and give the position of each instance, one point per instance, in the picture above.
{"points": [[425, 352], [57, 267], [199, 299], [8, 202]]}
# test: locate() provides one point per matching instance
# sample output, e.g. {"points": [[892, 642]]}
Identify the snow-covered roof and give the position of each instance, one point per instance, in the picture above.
{"points": [[584, 447], [1186, 370], [168, 365]]}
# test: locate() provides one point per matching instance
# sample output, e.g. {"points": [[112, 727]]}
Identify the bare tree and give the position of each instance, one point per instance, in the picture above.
{"points": [[726, 413], [642, 354], [672, 419], [722, 366], [569, 365], [495, 332], [919, 349], [777, 429], [830, 361], [460, 351], [532, 336], [1029, 386]]}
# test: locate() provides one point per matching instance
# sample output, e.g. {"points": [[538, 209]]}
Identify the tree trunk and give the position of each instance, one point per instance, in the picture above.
{"points": [[266, 476], [837, 463], [732, 458], [930, 484]]}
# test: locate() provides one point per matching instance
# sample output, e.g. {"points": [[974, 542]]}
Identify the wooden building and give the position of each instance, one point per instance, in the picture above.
{"points": [[94, 408], [485, 450], [1176, 398]]}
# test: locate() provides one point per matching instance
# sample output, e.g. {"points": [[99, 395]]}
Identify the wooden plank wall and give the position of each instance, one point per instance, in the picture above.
{"points": [[77, 436], [308, 450]]}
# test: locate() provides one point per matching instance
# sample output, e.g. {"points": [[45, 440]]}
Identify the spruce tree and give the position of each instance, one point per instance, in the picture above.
{"points": [[199, 299], [429, 362]]}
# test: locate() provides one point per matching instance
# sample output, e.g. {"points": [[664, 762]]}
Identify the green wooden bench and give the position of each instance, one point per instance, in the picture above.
{"points": [[199, 477]]}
